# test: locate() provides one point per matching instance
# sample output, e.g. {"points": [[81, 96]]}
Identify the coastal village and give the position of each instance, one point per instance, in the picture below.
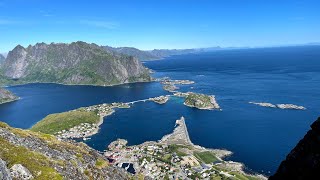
{"points": [[172, 157]]}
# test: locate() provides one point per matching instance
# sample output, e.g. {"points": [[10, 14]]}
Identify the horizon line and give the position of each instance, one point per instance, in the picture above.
{"points": [[207, 47]]}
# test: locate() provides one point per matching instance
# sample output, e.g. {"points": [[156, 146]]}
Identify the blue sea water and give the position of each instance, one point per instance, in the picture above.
{"points": [[259, 137]]}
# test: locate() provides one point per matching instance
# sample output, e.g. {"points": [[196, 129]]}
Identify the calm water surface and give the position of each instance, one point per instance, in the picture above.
{"points": [[259, 137]]}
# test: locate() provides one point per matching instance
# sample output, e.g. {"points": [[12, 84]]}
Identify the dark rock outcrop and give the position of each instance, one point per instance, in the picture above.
{"points": [[303, 162], [75, 63]]}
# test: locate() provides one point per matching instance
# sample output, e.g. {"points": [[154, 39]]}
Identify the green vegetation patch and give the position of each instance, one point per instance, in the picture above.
{"points": [[193, 99], [100, 163], [175, 149], [206, 156], [36, 163], [166, 158], [63, 121]]}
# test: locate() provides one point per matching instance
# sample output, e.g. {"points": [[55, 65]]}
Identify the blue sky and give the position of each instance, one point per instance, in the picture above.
{"points": [[160, 23]]}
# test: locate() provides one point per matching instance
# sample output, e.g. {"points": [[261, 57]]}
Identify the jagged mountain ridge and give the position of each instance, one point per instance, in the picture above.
{"points": [[156, 53], [75, 63], [141, 55], [45, 157]]}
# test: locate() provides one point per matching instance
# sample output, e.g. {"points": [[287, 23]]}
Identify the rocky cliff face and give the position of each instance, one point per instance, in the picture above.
{"points": [[2, 58], [303, 162], [29, 155], [6, 96], [75, 63]]}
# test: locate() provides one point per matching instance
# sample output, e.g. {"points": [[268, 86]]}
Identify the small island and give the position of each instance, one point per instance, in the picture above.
{"points": [[201, 101], [181, 82], [160, 99], [280, 106], [6, 96], [290, 106], [170, 85], [264, 104]]}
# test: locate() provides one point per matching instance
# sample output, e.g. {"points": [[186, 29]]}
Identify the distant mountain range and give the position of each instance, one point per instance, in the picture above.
{"points": [[75, 63], [156, 53]]}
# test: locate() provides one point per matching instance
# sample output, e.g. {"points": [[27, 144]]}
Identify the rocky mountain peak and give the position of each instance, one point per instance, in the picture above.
{"points": [[75, 63]]}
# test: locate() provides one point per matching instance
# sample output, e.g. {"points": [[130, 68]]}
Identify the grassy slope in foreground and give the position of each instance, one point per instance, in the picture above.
{"points": [[33, 161], [50, 159], [54, 123]]}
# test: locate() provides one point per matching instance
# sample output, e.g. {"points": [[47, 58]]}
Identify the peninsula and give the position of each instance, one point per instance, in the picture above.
{"points": [[79, 123], [175, 157], [83, 122]]}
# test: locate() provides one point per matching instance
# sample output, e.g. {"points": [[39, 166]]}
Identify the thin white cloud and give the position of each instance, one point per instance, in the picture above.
{"points": [[100, 24]]}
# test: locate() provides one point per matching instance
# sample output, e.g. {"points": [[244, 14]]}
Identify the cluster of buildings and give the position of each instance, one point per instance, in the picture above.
{"points": [[156, 161], [106, 109], [81, 131]]}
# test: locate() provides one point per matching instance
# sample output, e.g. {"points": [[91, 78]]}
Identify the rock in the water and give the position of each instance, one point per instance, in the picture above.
{"points": [[290, 106], [20, 172], [264, 104], [280, 106], [4, 171], [6, 96], [303, 162]]}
